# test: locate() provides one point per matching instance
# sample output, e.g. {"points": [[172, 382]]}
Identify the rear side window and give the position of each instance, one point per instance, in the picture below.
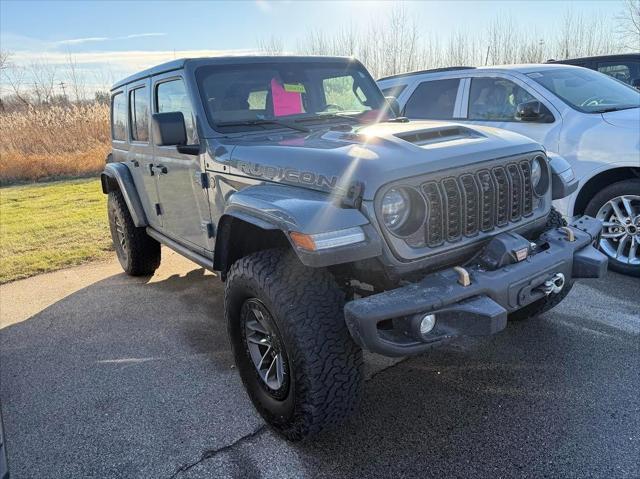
{"points": [[495, 99], [433, 100], [394, 90], [139, 114], [119, 117], [172, 96], [625, 72]]}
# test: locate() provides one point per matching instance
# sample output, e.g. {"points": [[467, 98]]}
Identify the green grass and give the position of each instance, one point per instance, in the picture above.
{"points": [[49, 226]]}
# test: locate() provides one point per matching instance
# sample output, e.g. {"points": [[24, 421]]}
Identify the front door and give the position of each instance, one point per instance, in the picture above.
{"points": [[492, 101], [184, 202], [140, 154]]}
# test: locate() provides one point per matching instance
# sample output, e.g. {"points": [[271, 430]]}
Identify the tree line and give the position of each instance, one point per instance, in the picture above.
{"points": [[389, 44]]}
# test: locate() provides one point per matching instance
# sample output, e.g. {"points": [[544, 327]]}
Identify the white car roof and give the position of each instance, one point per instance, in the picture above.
{"points": [[457, 72]]}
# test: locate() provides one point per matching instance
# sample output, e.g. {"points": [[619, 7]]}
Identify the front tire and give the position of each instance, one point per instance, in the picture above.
{"points": [[277, 308], [138, 253], [618, 206]]}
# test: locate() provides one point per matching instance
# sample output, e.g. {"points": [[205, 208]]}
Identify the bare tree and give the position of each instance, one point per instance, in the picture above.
{"points": [[76, 81], [15, 77], [583, 37], [43, 77], [5, 57], [271, 46], [629, 25]]}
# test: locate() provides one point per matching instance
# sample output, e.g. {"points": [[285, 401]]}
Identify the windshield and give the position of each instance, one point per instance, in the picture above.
{"points": [[273, 95], [586, 90]]}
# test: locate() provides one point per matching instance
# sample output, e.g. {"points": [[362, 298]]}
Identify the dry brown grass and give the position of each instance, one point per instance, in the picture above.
{"points": [[53, 142]]}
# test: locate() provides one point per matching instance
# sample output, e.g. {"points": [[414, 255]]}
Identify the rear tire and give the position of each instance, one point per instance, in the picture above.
{"points": [[138, 253], [597, 207], [300, 311]]}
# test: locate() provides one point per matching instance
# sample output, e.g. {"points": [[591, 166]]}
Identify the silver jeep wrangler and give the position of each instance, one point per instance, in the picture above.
{"points": [[336, 225]]}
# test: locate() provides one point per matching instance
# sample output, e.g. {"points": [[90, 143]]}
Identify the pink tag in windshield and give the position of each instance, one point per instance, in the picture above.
{"points": [[285, 102]]}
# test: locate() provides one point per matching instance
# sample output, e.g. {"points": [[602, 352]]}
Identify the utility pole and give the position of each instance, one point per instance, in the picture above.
{"points": [[64, 92]]}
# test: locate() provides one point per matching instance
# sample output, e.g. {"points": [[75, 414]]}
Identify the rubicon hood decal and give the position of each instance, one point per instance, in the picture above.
{"points": [[289, 175]]}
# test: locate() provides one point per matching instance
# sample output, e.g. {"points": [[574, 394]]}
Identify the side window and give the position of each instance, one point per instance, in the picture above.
{"points": [[394, 90], [340, 94], [619, 71], [172, 96], [139, 114], [433, 100], [119, 117], [495, 99]]}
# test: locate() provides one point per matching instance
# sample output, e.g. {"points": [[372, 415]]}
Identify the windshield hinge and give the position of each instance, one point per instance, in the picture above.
{"points": [[353, 197]]}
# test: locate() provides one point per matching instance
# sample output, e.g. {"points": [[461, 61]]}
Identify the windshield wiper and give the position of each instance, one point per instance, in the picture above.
{"points": [[262, 121], [329, 116], [614, 108]]}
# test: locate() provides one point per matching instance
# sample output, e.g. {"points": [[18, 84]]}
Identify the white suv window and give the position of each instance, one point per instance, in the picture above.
{"points": [[495, 99], [434, 99]]}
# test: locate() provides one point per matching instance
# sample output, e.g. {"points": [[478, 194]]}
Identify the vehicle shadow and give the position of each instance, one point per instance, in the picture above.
{"points": [[136, 374]]}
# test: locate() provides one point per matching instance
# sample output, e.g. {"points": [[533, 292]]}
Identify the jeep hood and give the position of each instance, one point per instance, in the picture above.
{"points": [[332, 159]]}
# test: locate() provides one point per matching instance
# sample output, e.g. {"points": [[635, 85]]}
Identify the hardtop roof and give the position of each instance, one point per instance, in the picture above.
{"points": [[444, 72], [226, 60]]}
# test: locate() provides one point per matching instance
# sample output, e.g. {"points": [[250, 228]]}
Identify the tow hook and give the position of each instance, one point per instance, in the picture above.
{"points": [[553, 285]]}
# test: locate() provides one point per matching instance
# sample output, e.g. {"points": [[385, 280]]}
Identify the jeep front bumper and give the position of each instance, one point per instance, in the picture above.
{"points": [[382, 323]]}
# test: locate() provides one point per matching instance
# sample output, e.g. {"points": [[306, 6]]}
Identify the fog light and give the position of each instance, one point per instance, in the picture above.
{"points": [[427, 323]]}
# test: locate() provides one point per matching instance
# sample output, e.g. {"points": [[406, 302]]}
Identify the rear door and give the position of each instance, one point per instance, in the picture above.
{"points": [[437, 99], [184, 199], [140, 154], [492, 100]]}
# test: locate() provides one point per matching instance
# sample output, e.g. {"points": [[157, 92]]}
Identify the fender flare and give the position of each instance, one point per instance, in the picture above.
{"points": [[283, 209], [116, 176]]}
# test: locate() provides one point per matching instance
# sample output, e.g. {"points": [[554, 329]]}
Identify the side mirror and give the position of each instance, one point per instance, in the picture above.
{"points": [[533, 111], [169, 129], [635, 83], [393, 106]]}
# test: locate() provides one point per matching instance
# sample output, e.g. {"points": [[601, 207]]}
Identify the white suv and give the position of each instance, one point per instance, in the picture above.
{"points": [[590, 119]]}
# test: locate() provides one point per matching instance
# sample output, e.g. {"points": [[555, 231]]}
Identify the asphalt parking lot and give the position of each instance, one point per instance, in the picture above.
{"points": [[102, 375]]}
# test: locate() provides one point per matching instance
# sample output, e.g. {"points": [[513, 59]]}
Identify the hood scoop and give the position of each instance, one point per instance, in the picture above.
{"points": [[438, 135]]}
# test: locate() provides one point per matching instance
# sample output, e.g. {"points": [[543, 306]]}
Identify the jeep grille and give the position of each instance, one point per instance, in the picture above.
{"points": [[476, 202]]}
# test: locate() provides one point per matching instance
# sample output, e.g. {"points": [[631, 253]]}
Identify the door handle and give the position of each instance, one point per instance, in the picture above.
{"points": [[161, 169]]}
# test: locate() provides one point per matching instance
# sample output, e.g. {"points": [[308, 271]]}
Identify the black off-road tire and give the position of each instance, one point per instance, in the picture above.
{"points": [[554, 220], [323, 365], [138, 253], [626, 187]]}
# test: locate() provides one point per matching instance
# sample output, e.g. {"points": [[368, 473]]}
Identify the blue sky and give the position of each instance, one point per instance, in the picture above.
{"points": [[121, 37]]}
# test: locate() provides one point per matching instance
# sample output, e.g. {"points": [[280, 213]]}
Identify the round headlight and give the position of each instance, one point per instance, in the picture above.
{"points": [[539, 175], [395, 208]]}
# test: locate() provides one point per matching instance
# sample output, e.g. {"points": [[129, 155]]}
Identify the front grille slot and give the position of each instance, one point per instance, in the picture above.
{"points": [[502, 195], [453, 208], [515, 178], [527, 197], [487, 199], [434, 234], [470, 198], [478, 201]]}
